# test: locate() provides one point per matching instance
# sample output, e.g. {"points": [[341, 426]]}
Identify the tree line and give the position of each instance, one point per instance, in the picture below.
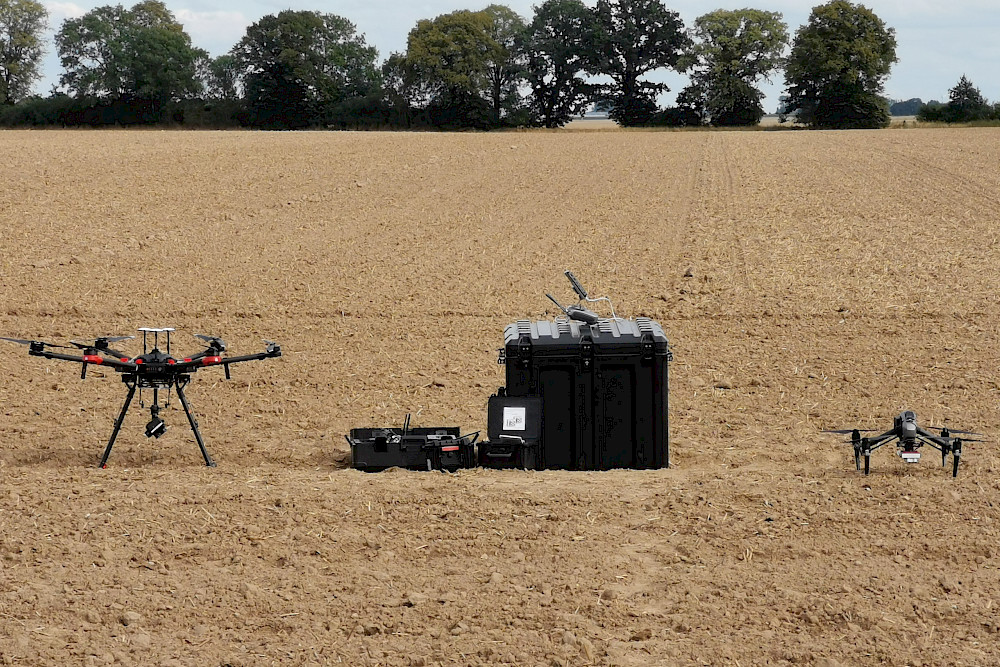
{"points": [[466, 69]]}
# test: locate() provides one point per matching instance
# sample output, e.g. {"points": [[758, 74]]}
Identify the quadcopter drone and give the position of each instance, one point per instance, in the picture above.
{"points": [[909, 439], [153, 369]]}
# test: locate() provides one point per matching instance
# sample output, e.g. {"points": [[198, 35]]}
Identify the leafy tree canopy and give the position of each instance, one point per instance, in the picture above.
{"points": [[838, 66], [966, 99], [221, 77], [298, 65], [505, 71], [142, 53], [733, 51], [965, 105], [454, 51], [22, 23], [556, 52], [632, 38], [910, 107]]}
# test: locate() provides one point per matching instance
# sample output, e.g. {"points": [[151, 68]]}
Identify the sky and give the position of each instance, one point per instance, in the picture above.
{"points": [[937, 42]]}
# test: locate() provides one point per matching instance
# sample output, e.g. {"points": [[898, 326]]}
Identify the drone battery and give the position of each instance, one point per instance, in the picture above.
{"points": [[514, 425], [603, 389]]}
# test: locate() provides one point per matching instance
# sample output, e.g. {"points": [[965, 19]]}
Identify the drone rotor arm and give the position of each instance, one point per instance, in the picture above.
{"points": [[891, 433], [881, 440], [95, 359], [935, 441], [246, 357], [206, 358]]}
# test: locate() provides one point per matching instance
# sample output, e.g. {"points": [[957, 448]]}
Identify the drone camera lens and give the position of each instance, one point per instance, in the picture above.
{"points": [[155, 428]]}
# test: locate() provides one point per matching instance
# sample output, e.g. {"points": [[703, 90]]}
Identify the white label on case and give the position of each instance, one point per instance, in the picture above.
{"points": [[514, 419]]}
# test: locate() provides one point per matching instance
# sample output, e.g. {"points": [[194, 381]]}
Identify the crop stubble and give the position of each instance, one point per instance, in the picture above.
{"points": [[834, 279]]}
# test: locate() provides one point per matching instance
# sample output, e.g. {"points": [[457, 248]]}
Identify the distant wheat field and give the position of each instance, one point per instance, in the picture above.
{"points": [[807, 280]]}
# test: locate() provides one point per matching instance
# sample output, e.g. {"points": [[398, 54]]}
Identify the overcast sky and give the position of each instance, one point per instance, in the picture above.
{"points": [[938, 41]]}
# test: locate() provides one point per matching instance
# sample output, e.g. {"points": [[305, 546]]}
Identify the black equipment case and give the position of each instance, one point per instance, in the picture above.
{"points": [[442, 448], [514, 425], [603, 387]]}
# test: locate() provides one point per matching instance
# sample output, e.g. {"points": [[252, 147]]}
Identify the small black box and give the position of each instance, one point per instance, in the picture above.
{"points": [[514, 425], [509, 454]]}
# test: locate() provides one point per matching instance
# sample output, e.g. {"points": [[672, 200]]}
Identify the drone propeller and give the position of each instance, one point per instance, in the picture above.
{"points": [[100, 343], [848, 431], [955, 430], [34, 343], [213, 341]]}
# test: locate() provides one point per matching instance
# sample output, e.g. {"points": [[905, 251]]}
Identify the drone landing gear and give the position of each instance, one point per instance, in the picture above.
{"points": [[862, 446], [156, 427], [194, 425], [118, 425]]}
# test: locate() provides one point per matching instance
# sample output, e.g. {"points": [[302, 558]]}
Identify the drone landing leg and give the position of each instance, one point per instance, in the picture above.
{"points": [[118, 426], [857, 459], [194, 425], [868, 457]]}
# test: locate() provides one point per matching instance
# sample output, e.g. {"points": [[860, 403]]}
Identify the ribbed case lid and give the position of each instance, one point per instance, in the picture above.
{"points": [[606, 333]]}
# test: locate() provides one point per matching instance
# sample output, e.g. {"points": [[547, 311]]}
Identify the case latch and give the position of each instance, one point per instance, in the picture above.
{"points": [[586, 351], [524, 351], [647, 347]]}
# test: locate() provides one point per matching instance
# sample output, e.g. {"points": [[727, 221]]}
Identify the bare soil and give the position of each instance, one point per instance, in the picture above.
{"points": [[833, 278]]}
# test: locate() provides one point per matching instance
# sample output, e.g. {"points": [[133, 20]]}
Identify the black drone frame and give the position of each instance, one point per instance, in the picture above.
{"points": [[153, 369], [944, 443]]}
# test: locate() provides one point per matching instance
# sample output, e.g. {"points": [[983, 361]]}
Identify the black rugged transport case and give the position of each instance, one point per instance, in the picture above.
{"points": [[603, 387], [443, 448], [514, 425]]}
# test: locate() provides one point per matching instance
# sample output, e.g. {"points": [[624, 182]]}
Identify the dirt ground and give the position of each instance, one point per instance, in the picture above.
{"points": [[834, 279]]}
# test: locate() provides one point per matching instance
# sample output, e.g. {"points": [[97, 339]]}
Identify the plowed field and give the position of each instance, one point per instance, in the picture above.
{"points": [[806, 280]]}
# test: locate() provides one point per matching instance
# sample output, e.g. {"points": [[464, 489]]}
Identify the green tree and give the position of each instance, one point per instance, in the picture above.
{"points": [[505, 72], [631, 39], [966, 104], [556, 45], [733, 52], [298, 66], [452, 54], [838, 66], [22, 23], [453, 51], [405, 89], [221, 77], [140, 53]]}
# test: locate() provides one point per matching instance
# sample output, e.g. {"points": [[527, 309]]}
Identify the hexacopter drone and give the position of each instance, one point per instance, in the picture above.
{"points": [[909, 439], [153, 369]]}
